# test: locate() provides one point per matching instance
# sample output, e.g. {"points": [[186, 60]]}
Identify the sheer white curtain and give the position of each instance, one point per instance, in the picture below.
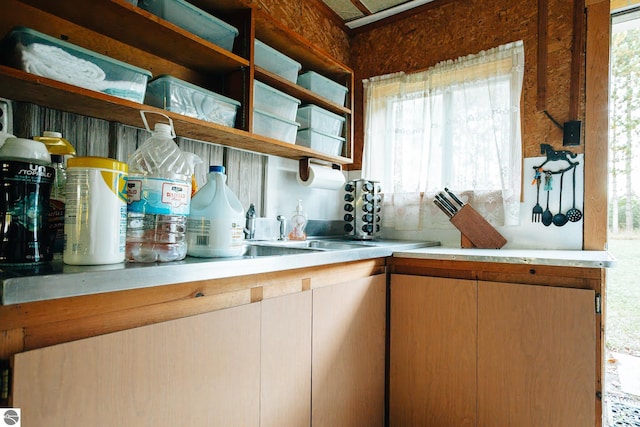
{"points": [[455, 125]]}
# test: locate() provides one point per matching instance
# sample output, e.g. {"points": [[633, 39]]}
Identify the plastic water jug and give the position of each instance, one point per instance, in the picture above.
{"points": [[159, 196], [216, 223]]}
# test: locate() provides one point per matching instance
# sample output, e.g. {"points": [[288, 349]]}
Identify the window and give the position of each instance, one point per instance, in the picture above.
{"points": [[455, 125]]}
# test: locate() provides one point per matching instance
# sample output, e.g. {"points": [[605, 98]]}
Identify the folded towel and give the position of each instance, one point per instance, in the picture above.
{"points": [[54, 63], [57, 64]]}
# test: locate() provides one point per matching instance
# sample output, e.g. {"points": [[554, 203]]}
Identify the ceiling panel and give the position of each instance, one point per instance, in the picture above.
{"points": [[344, 9], [378, 5]]}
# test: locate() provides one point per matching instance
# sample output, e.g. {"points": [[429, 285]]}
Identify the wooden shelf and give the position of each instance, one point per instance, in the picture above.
{"points": [[129, 24], [304, 95], [118, 29], [20, 86]]}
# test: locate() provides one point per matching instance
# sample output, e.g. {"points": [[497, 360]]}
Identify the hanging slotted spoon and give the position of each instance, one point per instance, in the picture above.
{"points": [[560, 219], [573, 214]]}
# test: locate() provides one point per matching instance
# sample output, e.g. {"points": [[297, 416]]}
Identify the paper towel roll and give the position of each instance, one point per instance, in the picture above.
{"points": [[323, 177]]}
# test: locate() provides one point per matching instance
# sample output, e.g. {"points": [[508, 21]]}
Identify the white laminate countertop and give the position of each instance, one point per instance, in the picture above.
{"points": [[564, 258]]}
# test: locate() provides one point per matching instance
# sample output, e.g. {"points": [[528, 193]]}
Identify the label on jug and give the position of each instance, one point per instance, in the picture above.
{"points": [[158, 196], [24, 205]]}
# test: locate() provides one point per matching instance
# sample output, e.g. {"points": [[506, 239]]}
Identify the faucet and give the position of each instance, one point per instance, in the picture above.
{"points": [[250, 223], [282, 221]]}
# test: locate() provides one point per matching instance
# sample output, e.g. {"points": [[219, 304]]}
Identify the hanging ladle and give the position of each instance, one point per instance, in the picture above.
{"points": [[560, 219], [573, 214]]}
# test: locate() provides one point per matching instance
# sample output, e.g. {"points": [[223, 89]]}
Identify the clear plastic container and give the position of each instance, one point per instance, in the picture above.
{"points": [[193, 19], [182, 97], [216, 224], [321, 142], [159, 193], [276, 62], [60, 149], [46, 56], [273, 101], [319, 119], [324, 87], [268, 125]]}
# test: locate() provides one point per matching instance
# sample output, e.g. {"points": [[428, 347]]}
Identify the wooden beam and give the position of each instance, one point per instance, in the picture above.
{"points": [[543, 12], [577, 47], [596, 124]]}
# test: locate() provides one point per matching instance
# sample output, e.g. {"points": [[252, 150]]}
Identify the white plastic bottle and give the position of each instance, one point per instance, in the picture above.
{"points": [[159, 196], [216, 223]]}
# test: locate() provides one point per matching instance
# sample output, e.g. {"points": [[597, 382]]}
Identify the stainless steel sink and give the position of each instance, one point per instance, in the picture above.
{"points": [[254, 251], [319, 245]]}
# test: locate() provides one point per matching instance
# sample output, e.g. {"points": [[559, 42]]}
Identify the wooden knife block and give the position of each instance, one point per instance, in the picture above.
{"points": [[475, 231]]}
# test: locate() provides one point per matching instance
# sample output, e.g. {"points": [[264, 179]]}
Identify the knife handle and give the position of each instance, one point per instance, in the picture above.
{"points": [[443, 199], [454, 197], [443, 209]]}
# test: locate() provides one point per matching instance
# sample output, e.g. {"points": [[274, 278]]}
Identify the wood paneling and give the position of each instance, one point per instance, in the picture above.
{"points": [[201, 370], [433, 352]]}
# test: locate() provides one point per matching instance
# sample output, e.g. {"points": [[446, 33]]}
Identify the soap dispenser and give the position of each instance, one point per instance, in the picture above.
{"points": [[298, 223]]}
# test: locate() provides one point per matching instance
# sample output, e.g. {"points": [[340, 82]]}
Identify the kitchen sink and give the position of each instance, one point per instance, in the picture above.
{"points": [[254, 251], [319, 245]]}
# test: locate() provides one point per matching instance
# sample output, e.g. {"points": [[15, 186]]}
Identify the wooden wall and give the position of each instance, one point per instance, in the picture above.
{"points": [[457, 28]]}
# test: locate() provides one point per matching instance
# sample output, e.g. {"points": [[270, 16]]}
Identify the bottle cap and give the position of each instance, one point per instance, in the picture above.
{"points": [[26, 149], [52, 134], [216, 168], [163, 128]]}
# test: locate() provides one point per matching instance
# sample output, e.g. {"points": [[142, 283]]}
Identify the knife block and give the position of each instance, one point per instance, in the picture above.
{"points": [[475, 231]]}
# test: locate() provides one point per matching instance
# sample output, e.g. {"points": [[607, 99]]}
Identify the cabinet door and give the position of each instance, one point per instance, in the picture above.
{"points": [[432, 352], [285, 398], [197, 371], [536, 356], [348, 362]]}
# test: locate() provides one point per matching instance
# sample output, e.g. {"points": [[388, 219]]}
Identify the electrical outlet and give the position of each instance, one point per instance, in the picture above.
{"points": [[6, 116]]}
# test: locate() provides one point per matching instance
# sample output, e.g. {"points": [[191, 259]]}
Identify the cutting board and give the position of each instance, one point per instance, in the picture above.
{"points": [[476, 231]]}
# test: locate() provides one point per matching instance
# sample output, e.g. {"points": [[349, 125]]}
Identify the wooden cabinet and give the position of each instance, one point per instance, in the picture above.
{"points": [[200, 370], [348, 361], [289, 344], [480, 353], [127, 33]]}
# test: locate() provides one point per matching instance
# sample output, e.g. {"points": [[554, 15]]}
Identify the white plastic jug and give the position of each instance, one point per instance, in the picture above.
{"points": [[215, 227]]}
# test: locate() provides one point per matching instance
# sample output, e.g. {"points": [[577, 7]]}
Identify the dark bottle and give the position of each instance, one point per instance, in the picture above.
{"points": [[348, 217], [348, 197], [348, 207], [348, 228]]}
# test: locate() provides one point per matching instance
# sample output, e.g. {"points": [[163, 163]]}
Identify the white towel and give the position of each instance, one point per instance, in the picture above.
{"points": [[57, 64]]}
